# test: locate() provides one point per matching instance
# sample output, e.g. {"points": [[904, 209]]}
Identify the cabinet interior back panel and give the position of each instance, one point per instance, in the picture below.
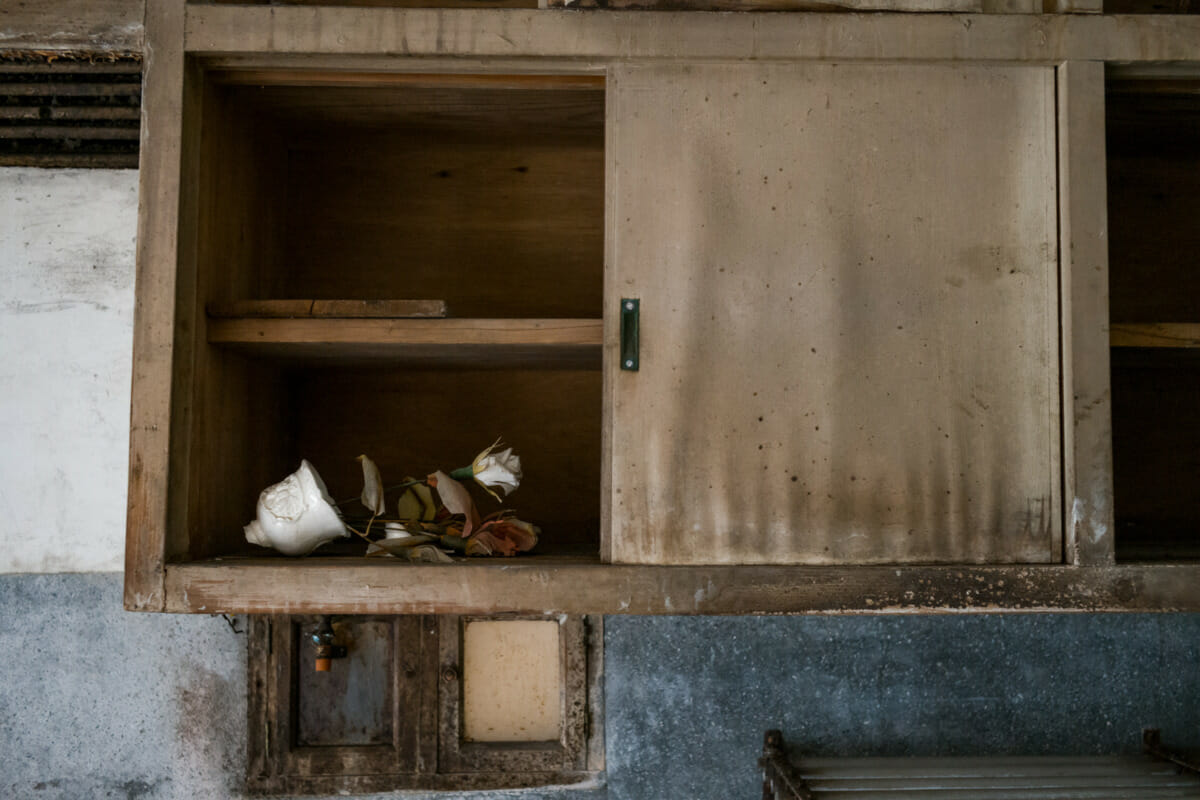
{"points": [[849, 314]]}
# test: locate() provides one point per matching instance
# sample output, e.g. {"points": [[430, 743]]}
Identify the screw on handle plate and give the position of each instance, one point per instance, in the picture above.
{"points": [[630, 308]]}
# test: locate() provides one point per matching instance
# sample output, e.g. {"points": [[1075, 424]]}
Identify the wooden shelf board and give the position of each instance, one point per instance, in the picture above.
{"points": [[451, 342], [518, 81], [326, 309], [1182, 334], [575, 585]]}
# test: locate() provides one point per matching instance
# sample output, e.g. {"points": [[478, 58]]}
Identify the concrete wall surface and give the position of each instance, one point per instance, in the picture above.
{"points": [[99, 702], [66, 338]]}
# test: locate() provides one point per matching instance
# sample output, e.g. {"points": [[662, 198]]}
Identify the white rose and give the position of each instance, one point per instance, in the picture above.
{"points": [[498, 470], [296, 515]]}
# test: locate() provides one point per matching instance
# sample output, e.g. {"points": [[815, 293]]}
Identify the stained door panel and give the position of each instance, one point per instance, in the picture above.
{"points": [[848, 318]]}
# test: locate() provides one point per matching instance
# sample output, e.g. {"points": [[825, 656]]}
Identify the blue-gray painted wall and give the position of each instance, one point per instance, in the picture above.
{"points": [[98, 702]]}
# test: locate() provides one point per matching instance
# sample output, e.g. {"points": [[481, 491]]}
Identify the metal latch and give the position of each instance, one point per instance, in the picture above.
{"points": [[630, 307]]}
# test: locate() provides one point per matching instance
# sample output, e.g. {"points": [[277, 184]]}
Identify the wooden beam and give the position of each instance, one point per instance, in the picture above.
{"points": [[154, 310], [1083, 265], [349, 309], [560, 585], [527, 343], [945, 6], [1048, 39], [89, 25], [291, 77], [1156, 335], [444, 332]]}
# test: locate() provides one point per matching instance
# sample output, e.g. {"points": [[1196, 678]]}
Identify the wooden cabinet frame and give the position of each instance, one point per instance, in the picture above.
{"points": [[186, 38], [426, 749]]}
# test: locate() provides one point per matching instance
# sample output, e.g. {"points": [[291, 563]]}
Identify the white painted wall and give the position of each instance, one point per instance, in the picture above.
{"points": [[66, 335]]}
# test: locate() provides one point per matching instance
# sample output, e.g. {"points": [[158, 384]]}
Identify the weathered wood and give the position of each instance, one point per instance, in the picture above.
{"points": [[151, 416], [567, 753], [352, 309], [955, 6], [1150, 335], [489, 200], [346, 79], [1083, 257], [535, 343], [424, 704], [449, 332], [849, 328], [391, 3], [549, 585], [232, 412], [93, 25], [689, 35]]}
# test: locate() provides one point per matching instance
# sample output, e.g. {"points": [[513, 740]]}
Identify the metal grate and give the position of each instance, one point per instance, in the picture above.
{"points": [[1160, 774], [70, 110]]}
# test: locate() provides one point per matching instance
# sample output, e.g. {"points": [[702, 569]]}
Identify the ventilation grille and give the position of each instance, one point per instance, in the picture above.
{"points": [[1001, 778], [63, 110]]}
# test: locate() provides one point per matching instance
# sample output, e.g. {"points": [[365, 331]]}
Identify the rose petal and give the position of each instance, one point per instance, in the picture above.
{"points": [[372, 493], [456, 499]]}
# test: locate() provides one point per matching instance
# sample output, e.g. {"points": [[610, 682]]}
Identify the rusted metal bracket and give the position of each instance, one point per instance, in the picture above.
{"points": [[781, 781], [1152, 744]]}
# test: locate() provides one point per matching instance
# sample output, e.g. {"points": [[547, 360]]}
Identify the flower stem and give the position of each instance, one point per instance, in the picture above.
{"points": [[387, 489]]}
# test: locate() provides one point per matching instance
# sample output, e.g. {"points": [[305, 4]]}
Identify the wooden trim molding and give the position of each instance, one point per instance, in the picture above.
{"points": [[1083, 265], [154, 353]]}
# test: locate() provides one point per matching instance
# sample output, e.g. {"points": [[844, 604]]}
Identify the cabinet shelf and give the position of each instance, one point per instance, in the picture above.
{"points": [[550, 584], [1173, 335], [530, 343]]}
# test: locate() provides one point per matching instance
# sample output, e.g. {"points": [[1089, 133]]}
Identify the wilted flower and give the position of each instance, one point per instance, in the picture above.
{"points": [[506, 536], [494, 469]]}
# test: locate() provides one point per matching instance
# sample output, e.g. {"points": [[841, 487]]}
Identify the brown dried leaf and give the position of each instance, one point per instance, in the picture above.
{"points": [[427, 553]]}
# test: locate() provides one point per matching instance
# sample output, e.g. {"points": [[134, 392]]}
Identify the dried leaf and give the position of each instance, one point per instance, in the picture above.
{"points": [[429, 554], [400, 547], [410, 506], [456, 499], [416, 503], [506, 536], [426, 497], [372, 493]]}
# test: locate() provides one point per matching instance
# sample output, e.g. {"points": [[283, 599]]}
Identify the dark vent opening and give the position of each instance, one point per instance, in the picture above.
{"points": [[62, 109]]}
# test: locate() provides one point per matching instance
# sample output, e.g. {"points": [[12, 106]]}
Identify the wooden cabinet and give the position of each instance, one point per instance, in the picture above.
{"points": [[869, 274]]}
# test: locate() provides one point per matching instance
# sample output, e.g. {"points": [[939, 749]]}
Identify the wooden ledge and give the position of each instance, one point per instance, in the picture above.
{"points": [[560, 585], [528, 343], [1173, 335]]}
